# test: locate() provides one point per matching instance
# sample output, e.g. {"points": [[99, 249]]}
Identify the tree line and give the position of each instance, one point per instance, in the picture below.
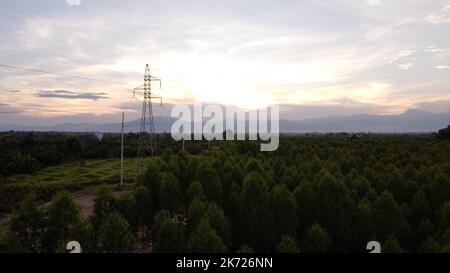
{"points": [[28, 152]]}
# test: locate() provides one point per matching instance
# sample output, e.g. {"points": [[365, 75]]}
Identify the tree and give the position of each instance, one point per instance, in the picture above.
{"points": [[63, 218], [444, 133], [388, 217], [27, 222], [316, 240], [420, 207], [254, 165], [334, 206], [85, 235], [444, 241], [429, 246], [170, 192], [196, 212], [169, 234], [195, 190], [305, 198], [391, 246], [103, 205], [9, 243], [126, 205], [167, 155], [425, 229], [284, 210], [445, 216], [73, 147], [219, 222], [245, 249], [257, 220], [115, 234], [205, 240], [9, 142], [439, 189], [363, 225], [150, 179], [210, 181], [287, 245], [143, 207]]}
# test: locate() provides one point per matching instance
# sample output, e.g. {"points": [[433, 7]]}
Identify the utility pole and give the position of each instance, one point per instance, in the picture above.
{"points": [[147, 139], [121, 151]]}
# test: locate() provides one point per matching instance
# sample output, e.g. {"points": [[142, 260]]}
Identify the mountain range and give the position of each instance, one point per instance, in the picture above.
{"points": [[412, 121]]}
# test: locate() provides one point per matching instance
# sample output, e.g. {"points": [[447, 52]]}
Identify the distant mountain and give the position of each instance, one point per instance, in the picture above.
{"points": [[162, 124], [413, 121]]}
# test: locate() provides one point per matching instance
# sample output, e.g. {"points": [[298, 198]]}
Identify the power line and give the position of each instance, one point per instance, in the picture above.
{"points": [[81, 111], [57, 74], [14, 9]]}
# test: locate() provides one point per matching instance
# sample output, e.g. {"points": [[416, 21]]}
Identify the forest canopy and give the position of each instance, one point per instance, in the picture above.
{"points": [[315, 194]]}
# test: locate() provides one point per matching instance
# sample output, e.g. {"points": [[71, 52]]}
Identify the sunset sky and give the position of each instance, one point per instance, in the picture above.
{"points": [[317, 58]]}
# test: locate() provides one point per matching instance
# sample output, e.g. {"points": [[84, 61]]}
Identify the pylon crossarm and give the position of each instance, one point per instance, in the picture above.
{"points": [[155, 97], [157, 80]]}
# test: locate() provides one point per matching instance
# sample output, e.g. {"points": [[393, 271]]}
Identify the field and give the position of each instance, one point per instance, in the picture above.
{"points": [[91, 172], [72, 177]]}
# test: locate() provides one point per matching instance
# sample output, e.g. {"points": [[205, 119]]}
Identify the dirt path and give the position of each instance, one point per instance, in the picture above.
{"points": [[84, 198]]}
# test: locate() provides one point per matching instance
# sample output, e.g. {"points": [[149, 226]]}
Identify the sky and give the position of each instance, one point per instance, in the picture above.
{"points": [[314, 58]]}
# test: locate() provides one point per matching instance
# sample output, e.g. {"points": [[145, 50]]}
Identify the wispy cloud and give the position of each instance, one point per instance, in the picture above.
{"points": [[63, 94], [434, 49], [405, 66], [443, 67], [441, 16]]}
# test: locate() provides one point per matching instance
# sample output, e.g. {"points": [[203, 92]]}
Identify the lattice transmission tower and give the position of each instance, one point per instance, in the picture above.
{"points": [[147, 137]]}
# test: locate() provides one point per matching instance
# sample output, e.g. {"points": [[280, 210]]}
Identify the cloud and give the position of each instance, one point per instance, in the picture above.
{"points": [[441, 16], [443, 67], [405, 66], [434, 49], [373, 2], [401, 54], [405, 53], [63, 94], [6, 109]]}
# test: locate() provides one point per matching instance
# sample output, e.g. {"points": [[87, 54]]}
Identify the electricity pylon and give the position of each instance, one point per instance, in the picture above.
{"points": [[147, 140], [121, 150]]}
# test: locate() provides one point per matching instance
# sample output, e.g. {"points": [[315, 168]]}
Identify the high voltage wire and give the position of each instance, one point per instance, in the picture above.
{"points": [[57, 74], [62, 74], [13, 9], [48, 111]]}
